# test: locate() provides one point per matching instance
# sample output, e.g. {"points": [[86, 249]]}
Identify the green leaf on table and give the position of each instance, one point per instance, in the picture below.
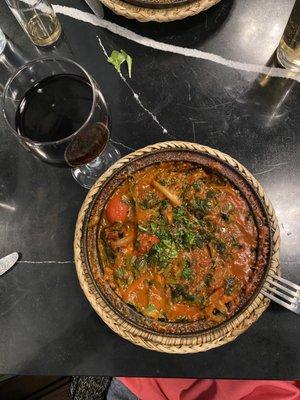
{"points": [[129, 62], [118, 57]]}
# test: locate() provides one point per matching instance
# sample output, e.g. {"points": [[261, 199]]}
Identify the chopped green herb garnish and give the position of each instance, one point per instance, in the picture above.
{"points": [[201, 301], [163, 204], [130, 261], [185, 191], [202, 206], [179, 213], [120, 273], [150, 308], [187, 271], [154, 227], [188, 239], [202, 239], [197, 185], [210, 194], [164, 251]]}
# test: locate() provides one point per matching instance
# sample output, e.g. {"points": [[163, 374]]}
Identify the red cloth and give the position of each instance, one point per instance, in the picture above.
{"points": [[211, 389]]}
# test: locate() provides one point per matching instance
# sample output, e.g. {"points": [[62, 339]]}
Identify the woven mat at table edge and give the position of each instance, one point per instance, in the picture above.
{"points": [[158, 342], [144, 14]]}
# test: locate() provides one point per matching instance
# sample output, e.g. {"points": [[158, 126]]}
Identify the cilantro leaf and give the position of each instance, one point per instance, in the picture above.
{"points": [[165, 251], [187, 271], [118, 57], [197, 185], [179, 213], [129, 62]]}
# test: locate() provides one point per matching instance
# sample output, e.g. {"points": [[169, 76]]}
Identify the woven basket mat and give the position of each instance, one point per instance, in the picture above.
{"points": [[169, 14], [175, 344]]}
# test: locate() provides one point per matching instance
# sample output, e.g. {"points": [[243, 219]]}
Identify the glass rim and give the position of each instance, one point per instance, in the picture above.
{"points": [[15, 7], [26, 66]]}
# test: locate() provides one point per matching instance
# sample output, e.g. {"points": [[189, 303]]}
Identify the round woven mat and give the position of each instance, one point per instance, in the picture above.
{"points": [[169, 14], [154, 341]]}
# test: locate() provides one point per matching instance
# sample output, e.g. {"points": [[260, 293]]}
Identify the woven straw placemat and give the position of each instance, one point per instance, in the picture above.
{"points": [[169, 14], [174, 343]]}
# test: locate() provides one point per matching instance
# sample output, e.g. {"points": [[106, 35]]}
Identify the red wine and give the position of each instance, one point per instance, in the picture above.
{"points": [[55, 108]]}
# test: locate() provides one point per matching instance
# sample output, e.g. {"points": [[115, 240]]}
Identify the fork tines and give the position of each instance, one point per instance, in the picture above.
{"points": [[283, 292]]}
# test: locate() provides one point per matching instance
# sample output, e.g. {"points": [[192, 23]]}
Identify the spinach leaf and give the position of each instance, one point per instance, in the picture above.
{"points": [[208, 279], [225, 216], [220, 246], [226, 212], [179, 292], [230, 285]]}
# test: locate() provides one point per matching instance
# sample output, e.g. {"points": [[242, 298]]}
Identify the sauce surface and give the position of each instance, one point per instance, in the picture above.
{"points": [[179, 243]]}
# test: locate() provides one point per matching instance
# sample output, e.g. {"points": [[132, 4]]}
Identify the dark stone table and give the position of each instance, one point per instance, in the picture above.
{"points": [[46, 324]]}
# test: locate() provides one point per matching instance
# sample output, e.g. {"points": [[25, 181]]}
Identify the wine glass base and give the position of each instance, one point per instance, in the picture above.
{"points": [[86, 175]]}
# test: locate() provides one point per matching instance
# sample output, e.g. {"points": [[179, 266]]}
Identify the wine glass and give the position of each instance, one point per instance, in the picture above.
{"points": [[57, 112]]}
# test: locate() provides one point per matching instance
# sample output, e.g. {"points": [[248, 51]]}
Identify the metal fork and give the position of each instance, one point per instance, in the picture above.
{"points": [[283, 292]]}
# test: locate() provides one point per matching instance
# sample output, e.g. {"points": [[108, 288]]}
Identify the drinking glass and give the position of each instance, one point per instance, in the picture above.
{"points": [[11, 58], [38, 20], [88, 150], [288, 51]]}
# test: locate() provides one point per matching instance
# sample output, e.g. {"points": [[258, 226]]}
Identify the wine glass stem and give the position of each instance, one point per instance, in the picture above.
{"points": [[86, 175]]}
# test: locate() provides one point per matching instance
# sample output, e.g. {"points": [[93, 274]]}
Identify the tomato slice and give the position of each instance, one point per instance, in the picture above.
{"points": [[116, 210], [146, 242]]}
